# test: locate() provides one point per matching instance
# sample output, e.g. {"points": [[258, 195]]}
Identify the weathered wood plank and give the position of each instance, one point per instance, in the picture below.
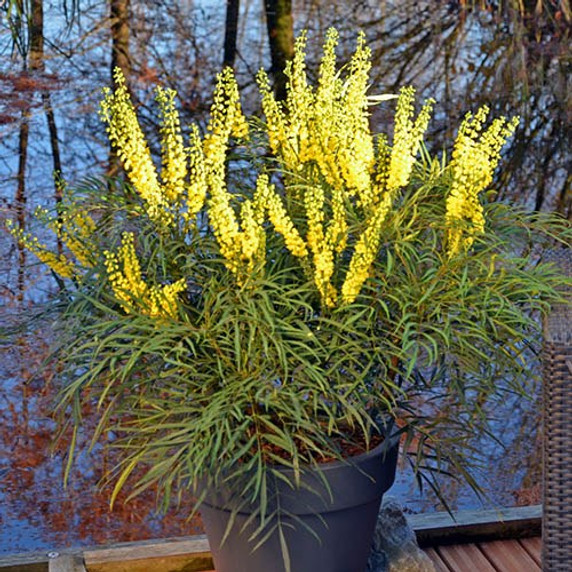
{"points": [[168, 555], [35, 567], [534, 547], [66, 563], [177, 563], [147, 548], [465, 558], [30, 562], [439, 564], [466, 526], [508, 557]]}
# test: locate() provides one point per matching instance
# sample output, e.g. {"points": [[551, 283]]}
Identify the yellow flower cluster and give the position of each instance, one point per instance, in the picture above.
{"points": [[126, 136], [133, 293], [174, 157], [356, 152], [58, 263], [339, 186], [324, 142], [227, 118], [183, 186], [267, 199], [197, 188], [365, 251], [73, 229], [241, 243], [329, 125], [322, 249], [474, 160], [406, 139]]}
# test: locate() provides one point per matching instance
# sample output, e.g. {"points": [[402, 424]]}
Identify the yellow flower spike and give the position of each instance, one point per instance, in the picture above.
{"points": [[250, 237], [227, 118], [322, 249], [275, 119], [267, 199], [126, 136], [323, 271], [75, 229], [58, 263], [131, 266], [474, 160], [197, 188], [124, 272], [299, 102], [174, 157], [358, 156], [314, 199], [337, 231], [328, 89], [365, 251], [224, 223], [369, 197], [168, 296], [223, 220], [328, 119], [407, 138]]}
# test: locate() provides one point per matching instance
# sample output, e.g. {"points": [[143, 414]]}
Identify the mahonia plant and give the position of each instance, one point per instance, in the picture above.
{"points": [[331, 168]]}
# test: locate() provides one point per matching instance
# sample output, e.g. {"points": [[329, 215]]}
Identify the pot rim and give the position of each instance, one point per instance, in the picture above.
{"points": [[386, 445]]}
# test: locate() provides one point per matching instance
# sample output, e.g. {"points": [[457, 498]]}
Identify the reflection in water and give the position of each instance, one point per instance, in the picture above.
{"points": [[35, 509], [516, 63]]}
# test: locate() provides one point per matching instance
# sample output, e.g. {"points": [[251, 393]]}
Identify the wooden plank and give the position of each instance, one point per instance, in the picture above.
{"points": [[66, 563], [27, 562], [465, 558], [33, 567], [147, 548], [509, 556], [467, 526], [440, 566], [189, 553], [179, 563], [534, 547]]}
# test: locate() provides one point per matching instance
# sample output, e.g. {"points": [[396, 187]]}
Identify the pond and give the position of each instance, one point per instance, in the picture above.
{"points": [[462, 54]]}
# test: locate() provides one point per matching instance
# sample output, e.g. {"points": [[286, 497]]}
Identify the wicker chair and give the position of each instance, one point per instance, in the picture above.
{"points": [[557, 442]]}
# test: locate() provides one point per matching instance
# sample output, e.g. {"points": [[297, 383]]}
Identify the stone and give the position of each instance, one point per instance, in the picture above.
{"points": [[395, 547]]}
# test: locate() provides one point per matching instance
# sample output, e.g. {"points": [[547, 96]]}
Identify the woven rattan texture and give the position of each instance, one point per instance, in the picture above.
{"points": [[557, 443]]}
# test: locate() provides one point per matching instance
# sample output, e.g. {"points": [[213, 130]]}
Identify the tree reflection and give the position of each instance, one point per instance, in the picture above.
{"points": [[31, 471]]}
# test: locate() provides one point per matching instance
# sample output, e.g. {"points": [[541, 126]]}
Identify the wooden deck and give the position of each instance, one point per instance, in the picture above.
{"points": [[487, 541], [522, 555], [495, 556]]}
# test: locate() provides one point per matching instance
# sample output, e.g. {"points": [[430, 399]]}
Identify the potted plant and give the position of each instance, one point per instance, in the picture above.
{"points": [[265, 318]]}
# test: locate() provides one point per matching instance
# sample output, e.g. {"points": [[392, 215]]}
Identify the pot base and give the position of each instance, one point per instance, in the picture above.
{"points": [[343, 522]]}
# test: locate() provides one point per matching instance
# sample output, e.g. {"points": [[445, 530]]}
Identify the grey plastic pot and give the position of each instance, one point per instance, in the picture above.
{"points": [[343, 516]]}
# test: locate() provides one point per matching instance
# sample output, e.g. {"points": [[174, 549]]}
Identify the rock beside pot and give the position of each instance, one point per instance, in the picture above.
{"points": [[395, 547]]}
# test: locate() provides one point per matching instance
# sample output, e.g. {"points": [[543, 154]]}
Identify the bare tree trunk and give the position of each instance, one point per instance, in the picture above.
{"points": [[32, 62], [54, 143], [230, 32], [37, 63], [119, 12], [281, 38], [21, 198], [120, 58]]}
